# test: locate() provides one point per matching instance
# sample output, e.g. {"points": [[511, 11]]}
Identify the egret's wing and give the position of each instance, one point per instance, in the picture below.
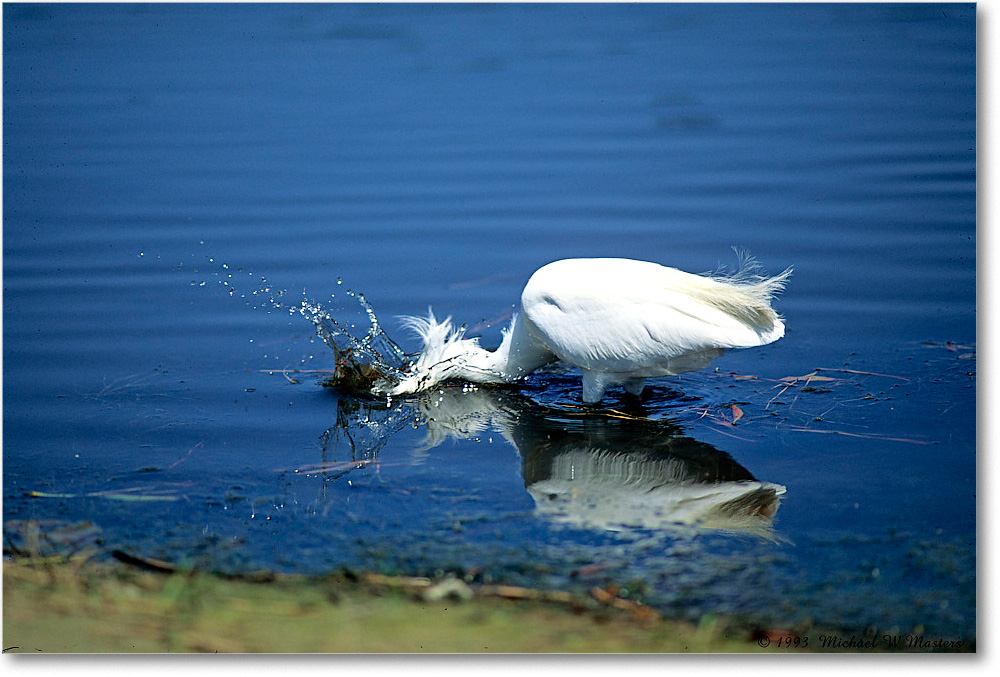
{"points": [[615, 315]]}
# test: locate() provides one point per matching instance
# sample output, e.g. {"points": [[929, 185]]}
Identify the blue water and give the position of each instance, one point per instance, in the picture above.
{"points": [[435, 155]]}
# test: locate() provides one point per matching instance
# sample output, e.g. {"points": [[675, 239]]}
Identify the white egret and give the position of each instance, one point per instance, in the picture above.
{"points": [[620, 321]]}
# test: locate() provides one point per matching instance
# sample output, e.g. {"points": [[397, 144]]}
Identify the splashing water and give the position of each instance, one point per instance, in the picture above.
{"points": [[369, 363], [366, 360]]}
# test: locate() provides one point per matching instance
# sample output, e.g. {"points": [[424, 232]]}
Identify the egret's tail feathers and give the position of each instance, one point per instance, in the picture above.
{"points": [[747, 294]]}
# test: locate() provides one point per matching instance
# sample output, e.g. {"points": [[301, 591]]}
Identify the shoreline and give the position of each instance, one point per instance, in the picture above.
{"points": [[75, 605], [79, 606]]}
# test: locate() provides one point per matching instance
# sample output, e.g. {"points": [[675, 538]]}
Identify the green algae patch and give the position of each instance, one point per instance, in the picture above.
{"points": [[78, 606]]}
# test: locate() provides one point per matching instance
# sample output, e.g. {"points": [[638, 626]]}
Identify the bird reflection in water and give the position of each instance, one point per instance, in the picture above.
{"points": [[581, 466]]}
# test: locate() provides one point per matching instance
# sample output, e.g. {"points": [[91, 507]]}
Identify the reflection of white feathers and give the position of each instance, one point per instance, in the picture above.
{"points": [[593, 484], [466, 414], [614, 492], [620, 321]]}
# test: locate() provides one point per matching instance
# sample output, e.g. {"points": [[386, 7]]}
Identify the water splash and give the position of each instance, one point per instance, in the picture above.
{"points": [[366, 360]]}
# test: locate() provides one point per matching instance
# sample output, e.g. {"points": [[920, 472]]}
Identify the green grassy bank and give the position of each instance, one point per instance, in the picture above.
{"points": [[79, 606]]}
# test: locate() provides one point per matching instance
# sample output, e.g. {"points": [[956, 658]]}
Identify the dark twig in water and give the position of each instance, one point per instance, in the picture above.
{"points": [[185, 457], [863, 373], [869, 436], [147, 563]]}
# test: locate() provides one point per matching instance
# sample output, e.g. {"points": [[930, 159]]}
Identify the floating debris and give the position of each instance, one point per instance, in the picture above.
{"points": [[130, 494]]}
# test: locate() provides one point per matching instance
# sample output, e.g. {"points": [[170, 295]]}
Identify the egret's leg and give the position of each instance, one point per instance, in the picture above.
{"points": [[594, 384], [634, 386]]}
